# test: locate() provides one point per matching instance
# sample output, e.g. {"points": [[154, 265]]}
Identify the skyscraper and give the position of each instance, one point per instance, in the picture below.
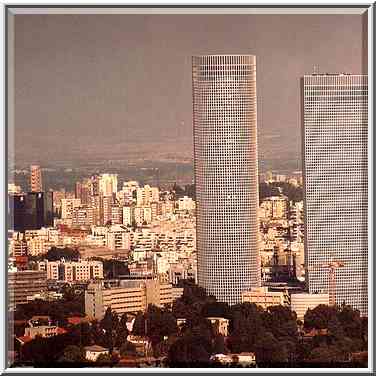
{"points": [[226, 174], [335, 174], [36, 179]]}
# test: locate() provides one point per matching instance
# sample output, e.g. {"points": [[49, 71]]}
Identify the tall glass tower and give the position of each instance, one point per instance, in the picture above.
{"points": [[226, 174], [335, 174]]}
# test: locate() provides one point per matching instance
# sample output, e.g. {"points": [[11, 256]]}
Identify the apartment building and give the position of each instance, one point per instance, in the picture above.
{"points": [[129, 296]]}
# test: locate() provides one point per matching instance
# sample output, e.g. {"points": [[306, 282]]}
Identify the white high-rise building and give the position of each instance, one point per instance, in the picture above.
{"points": [[226, 174], [67, 207], [147, 195], [335, 117], [108, 184]]}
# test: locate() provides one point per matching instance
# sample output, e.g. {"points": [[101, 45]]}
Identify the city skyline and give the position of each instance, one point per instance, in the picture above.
{"points": [[187, 189]]}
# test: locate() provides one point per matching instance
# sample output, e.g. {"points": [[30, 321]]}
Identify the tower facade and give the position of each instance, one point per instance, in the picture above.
{"points": [[335, 118], [35, 179], [226, 174]]}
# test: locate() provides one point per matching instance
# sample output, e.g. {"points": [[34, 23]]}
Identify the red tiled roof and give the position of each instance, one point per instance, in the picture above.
{"points": [[61, 331], [75, 320], [24, 339]]}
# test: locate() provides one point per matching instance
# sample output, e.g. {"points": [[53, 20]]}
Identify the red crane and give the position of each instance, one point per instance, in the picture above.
{"points": [[332, 266]]}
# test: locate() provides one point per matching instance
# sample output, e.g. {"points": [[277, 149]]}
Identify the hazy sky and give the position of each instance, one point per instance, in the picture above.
{"points": [[86, 81]]}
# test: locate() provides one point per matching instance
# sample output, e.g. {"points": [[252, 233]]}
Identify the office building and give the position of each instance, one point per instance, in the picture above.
{"points": [[30, 211], [335, 183], [264, 298], [24, 283], [301, 302], [127, 296], [226, 174], [35, 179], [72, 271]]}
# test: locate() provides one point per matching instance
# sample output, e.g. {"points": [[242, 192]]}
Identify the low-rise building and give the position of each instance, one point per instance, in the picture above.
{"points": [[263, 297], [301, 302], [128, 296], [243, 359], [41, 326], [72, 271], [44, 331], [93, 352], [48, 296], [24, 283]]}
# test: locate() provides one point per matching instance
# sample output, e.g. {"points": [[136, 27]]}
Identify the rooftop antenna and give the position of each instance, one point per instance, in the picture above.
{"points": [[315, 69]]}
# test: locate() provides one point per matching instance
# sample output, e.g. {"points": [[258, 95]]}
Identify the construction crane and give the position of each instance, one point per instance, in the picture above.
{"points": [[332, 265]]}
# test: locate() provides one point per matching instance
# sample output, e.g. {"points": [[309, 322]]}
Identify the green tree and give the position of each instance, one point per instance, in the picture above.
{"points": [[105, 359], [319, 317], [216, 309], [128, 348], [268, 350], [191, 304], [280, 321], [73, 354], [325, 354], [179, 191], [122, 331], [219, 346], [335, 328], [159, 323], [109, 325], [189, 351], [246, 327], [351, 321], [56, 254]]}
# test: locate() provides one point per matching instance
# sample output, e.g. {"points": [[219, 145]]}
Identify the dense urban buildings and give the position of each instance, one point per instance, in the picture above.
{"points": [[335, 174], [226, 174]]}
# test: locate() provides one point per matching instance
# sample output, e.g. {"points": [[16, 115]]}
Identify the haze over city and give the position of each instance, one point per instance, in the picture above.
{"points": [[102, 87]]}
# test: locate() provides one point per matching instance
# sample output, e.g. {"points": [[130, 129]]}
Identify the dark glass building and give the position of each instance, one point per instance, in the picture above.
{"points": [[30, 211]]}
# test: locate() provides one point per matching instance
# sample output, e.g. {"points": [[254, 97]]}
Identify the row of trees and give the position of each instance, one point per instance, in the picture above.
{"points": [[293, 193], [189, 190], [112, 268], [270, 334], [56, 254], [72, 304], [274, 334], [265, 190]]}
